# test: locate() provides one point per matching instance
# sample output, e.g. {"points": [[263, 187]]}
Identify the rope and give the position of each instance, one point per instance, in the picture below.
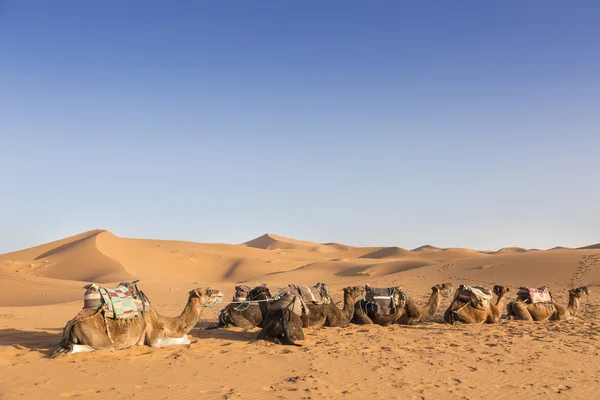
{"points": [[218, 301]]}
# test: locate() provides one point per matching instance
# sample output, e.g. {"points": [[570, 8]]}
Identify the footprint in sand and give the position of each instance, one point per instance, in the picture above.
{"points": [[585, 266]]}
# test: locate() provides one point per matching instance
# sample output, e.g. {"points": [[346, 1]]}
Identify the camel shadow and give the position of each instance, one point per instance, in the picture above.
{"points": [[42, 342], [204, 331]]}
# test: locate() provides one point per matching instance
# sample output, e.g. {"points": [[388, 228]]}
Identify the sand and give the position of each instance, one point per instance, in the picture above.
{"points": [[41, 289]]}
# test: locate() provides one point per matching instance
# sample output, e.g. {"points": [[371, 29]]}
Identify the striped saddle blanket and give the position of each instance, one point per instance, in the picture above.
{"points": [[117, 303]]}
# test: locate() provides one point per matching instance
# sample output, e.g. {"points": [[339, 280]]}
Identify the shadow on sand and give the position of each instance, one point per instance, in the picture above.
{"points": [[42, 342], [201, 332]]}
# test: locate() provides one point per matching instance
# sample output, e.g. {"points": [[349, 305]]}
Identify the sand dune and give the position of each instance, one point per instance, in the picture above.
{"points": [[270, 241], [389, 252], [41, 289], [77, 258], [426, 248], [590, 247], [509, 250]]}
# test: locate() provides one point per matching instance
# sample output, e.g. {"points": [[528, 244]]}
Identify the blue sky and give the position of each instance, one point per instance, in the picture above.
{"points": [[461, 123]]}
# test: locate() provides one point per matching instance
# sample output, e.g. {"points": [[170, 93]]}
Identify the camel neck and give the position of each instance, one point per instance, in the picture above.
{"points": [[348, 310], [434, 302], [500, 300], [573, 304], [184, 323]]}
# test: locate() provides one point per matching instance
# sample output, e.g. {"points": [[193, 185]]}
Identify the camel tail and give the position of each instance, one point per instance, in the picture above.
{"points": [[66, 345], [286, 316]]}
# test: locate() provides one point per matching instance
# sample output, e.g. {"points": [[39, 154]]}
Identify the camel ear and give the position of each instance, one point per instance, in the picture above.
{"points": [[195, 293]]}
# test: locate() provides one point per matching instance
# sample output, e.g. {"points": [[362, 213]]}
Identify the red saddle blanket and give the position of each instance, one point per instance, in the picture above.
{"points": [[534, 295]]}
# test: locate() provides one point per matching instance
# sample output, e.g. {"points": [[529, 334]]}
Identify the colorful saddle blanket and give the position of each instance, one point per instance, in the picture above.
{"points": [[384, 301], [534, 295], [117, 303], [479, 296]]}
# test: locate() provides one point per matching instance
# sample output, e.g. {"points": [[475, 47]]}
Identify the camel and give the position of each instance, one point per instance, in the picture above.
{"points": [[329, 314], [90, 330], [282, 327], [408, 314], [547, 311], [246, 315], [463, 311]]}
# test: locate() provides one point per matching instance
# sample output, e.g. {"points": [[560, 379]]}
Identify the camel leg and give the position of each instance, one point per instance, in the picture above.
{"points": [[361, 319], [240, 321], [519, 312], [271, 332], [168, 341], [81, 348]]}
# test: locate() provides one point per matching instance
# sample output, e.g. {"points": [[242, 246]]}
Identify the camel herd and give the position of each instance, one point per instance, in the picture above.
{"points": [[91, 330]]}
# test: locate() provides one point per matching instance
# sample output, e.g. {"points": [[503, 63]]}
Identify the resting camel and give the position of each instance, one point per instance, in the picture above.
{"points": [[90, 331], [330, 314], [282, 327], [462, 311], [544, 312], [409, 314], [246, 315]]}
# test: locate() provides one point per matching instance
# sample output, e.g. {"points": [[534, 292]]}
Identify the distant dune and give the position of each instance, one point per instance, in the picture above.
{"points": [[426, 248], [509, 250], [590, 247], [270, 241], [389, 252], [452, 253]]}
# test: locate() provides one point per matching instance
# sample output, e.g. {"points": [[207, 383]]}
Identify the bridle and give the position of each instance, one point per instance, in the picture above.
{"points": [[214, 299]]}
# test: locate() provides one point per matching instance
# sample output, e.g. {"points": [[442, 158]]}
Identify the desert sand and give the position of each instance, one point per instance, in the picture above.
{"points": [[41, 289]]}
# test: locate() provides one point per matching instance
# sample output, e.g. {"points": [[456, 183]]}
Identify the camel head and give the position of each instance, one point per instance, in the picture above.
{"points": [[500, 290], [578, 292], [260, 293], [444, 288], [354, 291], [205, 296]]}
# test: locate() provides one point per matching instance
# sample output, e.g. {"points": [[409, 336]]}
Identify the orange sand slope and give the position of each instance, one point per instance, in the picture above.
{"points": [[41, 289]]}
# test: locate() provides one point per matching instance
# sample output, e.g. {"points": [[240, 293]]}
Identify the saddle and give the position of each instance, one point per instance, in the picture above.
{"points": [[479, 296], [123, 302], [534, 295], [384, 301], [289, 298], [318, 294]]}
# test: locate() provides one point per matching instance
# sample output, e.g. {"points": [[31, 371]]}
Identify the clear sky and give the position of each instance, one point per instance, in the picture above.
{"points": [[453, 123]]}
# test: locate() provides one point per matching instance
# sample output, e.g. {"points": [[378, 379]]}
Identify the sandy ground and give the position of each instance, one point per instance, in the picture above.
{"points": [[41, 289]]}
